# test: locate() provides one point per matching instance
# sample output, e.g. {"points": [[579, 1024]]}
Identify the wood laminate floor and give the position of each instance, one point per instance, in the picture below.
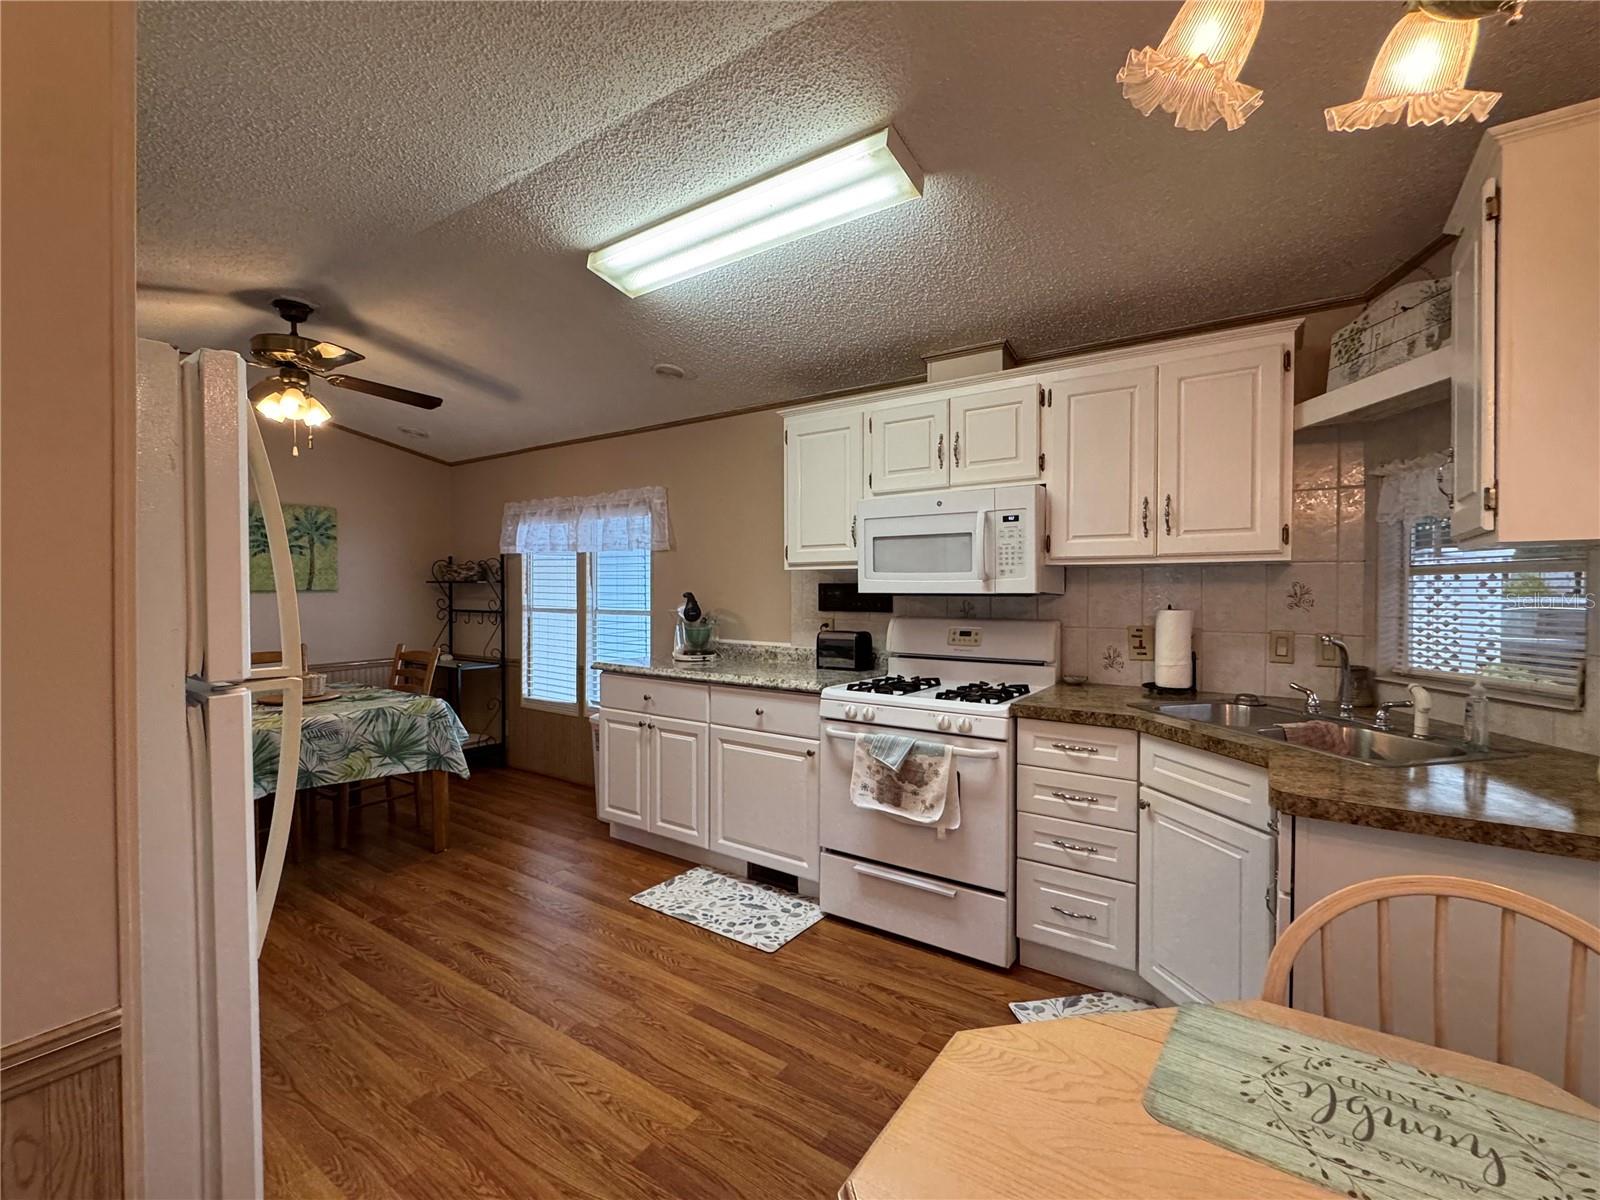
{"points": [[501, 1021]]}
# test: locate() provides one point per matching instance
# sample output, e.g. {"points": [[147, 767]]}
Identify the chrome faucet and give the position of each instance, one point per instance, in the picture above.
{"points": [[1347, 708], [1313, 701], [1380, 719]]}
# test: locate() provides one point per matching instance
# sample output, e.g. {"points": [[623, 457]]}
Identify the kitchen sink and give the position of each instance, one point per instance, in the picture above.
{"points": [[1352, 741]]}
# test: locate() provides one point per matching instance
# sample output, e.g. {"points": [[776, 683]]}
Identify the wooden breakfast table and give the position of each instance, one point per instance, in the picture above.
{"points": [[1056, 1109]]}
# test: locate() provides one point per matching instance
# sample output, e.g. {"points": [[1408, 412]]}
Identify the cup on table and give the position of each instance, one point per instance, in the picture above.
{"points": [[315, 683]]}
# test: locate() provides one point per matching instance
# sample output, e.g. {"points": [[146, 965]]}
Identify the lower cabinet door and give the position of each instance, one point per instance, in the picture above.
{"points": [[1206, 892], [620, 790], [764, 799], [677, 772]]}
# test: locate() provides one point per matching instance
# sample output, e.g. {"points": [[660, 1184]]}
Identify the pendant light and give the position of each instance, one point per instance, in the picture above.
{"points": [[283, 396], [1420, 71], [1194, 73]]}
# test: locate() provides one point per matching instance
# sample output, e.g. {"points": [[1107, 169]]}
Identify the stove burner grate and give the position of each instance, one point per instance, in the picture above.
{"points": [[984, 693], [893, 685]]}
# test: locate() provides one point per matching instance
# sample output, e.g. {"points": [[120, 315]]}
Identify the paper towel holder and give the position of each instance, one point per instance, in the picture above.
{"points": [[1156, 689]]}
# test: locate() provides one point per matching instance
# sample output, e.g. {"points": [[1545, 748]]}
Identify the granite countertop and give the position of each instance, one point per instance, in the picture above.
{"points": [[779, 668], [1546, 800]]}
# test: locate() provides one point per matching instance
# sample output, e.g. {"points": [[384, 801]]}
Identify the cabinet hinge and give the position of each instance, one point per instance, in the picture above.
{"points": [[869, 481], [1288, 360], [1041, 462], [1285, 535], [1491, 498], [1044, 398], [1047, 543], [869, 424], [1491, 207], [785, 437], [786, 552]]}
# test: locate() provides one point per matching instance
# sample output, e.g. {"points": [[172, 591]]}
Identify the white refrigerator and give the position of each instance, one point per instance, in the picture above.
{"points": [[202, 912]]}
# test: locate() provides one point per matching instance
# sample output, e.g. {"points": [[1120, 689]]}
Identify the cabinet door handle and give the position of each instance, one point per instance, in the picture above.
{"points": [[760, 712], [1060, 845], [1167, 512], [940, 450], [1144, 516], [811, 753], [1144, 804], [641, 724], [955, 449], [647, 697], [1074, 748], [1073, 916], [1076, 798]]}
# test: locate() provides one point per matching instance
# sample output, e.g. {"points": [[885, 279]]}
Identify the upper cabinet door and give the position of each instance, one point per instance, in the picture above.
{"points": [[1473, 264], [994, 436], [910, 447], [822, 469], [1100, 463], [1222, 465]]}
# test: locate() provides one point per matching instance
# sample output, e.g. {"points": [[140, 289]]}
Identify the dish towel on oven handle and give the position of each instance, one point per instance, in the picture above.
{"points": [[888, 748], [925, 791]]}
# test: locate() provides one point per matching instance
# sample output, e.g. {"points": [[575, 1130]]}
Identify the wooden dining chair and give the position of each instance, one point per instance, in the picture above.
{"points": [[410, 671], [1314, 922]]}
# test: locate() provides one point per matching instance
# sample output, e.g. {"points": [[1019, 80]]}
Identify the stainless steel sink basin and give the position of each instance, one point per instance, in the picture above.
{"points": [[1352, 741]]}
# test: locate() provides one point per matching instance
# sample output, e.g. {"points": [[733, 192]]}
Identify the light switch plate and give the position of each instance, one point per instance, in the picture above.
{"points": [[1141, 643], [1280, 645], [1327, 656]]}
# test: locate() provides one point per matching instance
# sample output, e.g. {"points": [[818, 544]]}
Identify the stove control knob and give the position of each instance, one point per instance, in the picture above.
{"points": [[943, 721], [964, 725], [849, 712], [869, 714]]}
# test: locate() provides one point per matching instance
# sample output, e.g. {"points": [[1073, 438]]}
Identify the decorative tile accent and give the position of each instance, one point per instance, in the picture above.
{"points": [[1316, 525], [1304, 597], [1108, 657], [1301, 596], [752, 913], [1057, 1007], [969, 608], [1316, 458]]}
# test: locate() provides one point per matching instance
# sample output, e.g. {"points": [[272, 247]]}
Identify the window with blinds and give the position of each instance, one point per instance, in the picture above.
{"points": [[618, 611], [1515, 615], [550, 628]]}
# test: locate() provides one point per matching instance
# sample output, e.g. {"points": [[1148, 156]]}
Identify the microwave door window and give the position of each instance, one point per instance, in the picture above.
{"points": [[923, 555]]}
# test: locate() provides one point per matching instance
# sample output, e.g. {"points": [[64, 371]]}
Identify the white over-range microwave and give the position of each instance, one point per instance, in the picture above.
{"points": [[987, 541]]}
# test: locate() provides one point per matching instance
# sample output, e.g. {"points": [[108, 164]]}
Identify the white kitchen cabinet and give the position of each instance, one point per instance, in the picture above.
{"points": [[822, 470], [1100, 471], [1525, 389], [1206, 892], [909, 446], [678, 790], [994, 435], [764, 799], [622, 786], [1222, 450]]}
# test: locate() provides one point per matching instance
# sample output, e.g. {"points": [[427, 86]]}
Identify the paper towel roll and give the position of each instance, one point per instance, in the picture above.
{"points": [[1174, 635]]}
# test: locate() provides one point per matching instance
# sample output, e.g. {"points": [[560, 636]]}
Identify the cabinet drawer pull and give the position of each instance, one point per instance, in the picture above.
{"points": [[1072, 916], [1060, 845], [760, 711], [1071, 747], [811, 753], [647, 697], [1076, 798], [921, 885]]}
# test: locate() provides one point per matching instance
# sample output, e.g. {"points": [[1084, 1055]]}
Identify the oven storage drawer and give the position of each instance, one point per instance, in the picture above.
{"points": [[1073, 796], [1088, 748], [789, 713], [955, 918], [1079, 846], [1084, 914], [661, 697]]}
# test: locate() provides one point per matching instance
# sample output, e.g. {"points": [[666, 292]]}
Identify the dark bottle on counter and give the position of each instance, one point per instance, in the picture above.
{"points": [[691, 607]]}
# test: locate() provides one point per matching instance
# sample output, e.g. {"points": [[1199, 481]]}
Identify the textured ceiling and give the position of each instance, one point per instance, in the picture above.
{"points": [[435, 174]]}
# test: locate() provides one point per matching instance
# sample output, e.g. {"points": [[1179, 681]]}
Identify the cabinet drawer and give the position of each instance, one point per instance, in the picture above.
{"points": [[1080, 913], [1218, 784], [789, 713], [663, 697], [1087, 748], [955, 918], [1077, 845], [1074, 796]]}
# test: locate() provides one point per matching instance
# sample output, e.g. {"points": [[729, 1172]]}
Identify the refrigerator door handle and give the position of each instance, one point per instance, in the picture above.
{"points": [[266, 492]]}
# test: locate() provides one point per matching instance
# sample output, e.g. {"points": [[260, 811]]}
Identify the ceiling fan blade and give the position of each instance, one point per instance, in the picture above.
{"points": [[388, 392]]}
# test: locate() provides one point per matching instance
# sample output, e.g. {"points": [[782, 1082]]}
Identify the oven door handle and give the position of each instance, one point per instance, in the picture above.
{"points": [[910, 881], [958, 751]]}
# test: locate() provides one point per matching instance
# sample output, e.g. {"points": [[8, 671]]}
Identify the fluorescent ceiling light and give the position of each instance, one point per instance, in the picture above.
{"points": [[863, 177]]}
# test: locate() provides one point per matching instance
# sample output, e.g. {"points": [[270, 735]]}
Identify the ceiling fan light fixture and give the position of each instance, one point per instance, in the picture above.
{"points": [[1194, 73], [865, 176], [1420, 73]]}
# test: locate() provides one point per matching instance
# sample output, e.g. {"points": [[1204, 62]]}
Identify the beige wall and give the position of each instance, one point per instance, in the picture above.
{"points": [[394, 520], [66, 237]]}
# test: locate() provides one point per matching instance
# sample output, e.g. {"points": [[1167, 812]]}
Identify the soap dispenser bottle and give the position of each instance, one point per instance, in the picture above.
{"points": [[1476, 721]]}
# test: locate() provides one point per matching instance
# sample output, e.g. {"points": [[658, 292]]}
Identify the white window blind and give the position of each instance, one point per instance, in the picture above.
{"points": [[1516, 615], [618, 611], [550, 629]]}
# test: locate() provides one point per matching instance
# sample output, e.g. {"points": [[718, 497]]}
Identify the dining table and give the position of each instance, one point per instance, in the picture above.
{"points": [[1064, 1109], [361, 733]]}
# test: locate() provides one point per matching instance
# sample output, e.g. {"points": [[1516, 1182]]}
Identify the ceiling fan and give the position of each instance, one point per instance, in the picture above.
{"points": [[295, 360]]}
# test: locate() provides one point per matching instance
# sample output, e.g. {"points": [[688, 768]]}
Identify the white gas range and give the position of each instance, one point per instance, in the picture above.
{"points": [[951, 683]]}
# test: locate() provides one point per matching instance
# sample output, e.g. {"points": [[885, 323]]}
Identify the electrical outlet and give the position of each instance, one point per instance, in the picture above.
{"points": [[1327, 656], [1280, 645], [1141, 643]]}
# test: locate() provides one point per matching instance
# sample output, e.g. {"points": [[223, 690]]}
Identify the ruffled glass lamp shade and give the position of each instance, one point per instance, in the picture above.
{"points": [[1419, 72], [1194, 73]]}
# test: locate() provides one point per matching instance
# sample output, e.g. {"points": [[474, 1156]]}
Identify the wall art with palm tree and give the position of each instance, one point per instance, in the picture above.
{"points": [[313, 548]]}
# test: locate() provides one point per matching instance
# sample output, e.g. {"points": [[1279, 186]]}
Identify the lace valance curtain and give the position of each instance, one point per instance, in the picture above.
{"points": [[630, 520], [1411, 490]]}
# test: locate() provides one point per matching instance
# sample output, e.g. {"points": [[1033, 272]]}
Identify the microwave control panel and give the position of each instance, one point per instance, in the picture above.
{"points": [[1011, 544]]}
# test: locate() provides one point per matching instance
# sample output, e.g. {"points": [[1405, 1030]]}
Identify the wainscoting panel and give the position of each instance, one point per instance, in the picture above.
{"points": [[61, 1112]]}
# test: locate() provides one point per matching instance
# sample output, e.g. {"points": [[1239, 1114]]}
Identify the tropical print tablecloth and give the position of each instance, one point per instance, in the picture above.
{"points": [[366, 733]]}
